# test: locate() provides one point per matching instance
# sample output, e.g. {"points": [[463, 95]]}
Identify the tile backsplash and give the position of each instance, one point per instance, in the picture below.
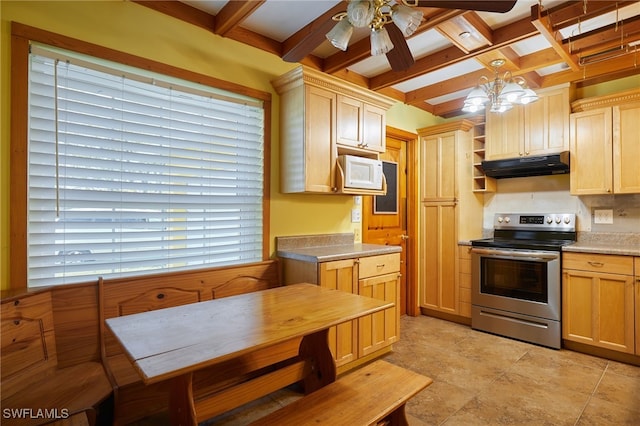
{"points": [[550, 194]]}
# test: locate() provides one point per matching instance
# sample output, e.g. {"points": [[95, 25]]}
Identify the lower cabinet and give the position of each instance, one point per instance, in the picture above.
{"points": [[598, 301], [464, 282], [636, 268], [378, 277]]}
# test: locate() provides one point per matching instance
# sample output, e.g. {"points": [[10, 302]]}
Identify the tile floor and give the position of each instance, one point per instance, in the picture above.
{"points": [[482, 379]]}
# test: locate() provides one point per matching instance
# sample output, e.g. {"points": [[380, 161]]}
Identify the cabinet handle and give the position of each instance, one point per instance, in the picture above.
{"points": [[380, 265], [596, 264]]}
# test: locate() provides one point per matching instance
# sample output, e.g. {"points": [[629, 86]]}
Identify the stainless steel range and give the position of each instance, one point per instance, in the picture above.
{"points": [[517, 275]]}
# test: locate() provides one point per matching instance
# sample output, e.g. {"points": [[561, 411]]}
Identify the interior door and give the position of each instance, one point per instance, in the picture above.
{"points": [[384, 219]]}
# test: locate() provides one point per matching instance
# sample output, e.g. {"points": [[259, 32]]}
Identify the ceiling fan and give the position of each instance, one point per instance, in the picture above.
{"points": [[387, 39]]}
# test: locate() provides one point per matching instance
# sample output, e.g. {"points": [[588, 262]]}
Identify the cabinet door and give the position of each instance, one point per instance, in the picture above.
{"points": [[505, 134], [546, 123], [626, 149], [598, 309], [349, 119], [591, 152], [319, 156], [438, 170], [341, 275], [438, 256], [381, 329], [374, 128], [637, 302]]}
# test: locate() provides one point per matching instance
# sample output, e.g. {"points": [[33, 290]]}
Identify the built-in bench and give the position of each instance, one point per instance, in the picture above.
{"points": [[35, 390], [372, 395], [132, 399]]}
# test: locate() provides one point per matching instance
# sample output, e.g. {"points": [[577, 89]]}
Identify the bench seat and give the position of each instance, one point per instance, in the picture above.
{"points": [[32, 382], [370, 395]]}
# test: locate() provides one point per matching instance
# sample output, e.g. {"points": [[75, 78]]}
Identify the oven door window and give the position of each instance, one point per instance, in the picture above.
{"points": [[520, 279]]}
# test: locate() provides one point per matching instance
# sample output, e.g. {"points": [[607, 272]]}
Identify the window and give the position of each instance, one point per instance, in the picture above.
{"points": [[132, 172]]}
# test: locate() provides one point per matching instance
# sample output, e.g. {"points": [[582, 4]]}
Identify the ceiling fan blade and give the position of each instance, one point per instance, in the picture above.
{"points": [[400, 57], [498, 6]]}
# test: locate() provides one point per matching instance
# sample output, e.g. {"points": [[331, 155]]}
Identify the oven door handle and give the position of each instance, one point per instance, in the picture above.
{"points": [[516, 254]]}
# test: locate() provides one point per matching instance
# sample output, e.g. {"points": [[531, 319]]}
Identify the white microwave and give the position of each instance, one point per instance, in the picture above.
{"points": [[361, 172]]}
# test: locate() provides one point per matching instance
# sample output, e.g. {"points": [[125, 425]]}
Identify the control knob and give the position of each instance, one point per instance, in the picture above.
{"points": [[558, 219], [507, 219], [567, 219], [549, 220]]}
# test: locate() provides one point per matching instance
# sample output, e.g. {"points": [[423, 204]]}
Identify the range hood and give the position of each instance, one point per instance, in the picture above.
{"points": [[541, 165]]}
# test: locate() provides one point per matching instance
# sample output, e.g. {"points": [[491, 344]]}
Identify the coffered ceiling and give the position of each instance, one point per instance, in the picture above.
{"points": [[547, 42]]}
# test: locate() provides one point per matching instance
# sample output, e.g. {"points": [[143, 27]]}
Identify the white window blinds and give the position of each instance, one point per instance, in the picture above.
{"points": [[132, 173]]}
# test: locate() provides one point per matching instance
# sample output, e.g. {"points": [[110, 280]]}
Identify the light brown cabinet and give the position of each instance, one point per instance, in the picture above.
{"points": [[598, 300], [636, 268], [449, 211], [378, 276], [535, 129], [464, 256], [360, 125], [605, 146], [322, 117]]}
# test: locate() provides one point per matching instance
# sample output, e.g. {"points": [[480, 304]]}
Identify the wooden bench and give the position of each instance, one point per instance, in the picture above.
{"points": [[132, 399], [34, 389], [372, 395]]}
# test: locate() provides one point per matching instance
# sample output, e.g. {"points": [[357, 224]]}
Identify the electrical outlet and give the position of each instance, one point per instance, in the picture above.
{"points": [[357, 237], [604, 216]]}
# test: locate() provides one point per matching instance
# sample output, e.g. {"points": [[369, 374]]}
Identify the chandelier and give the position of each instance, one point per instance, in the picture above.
{"points": [[374, 14], [501, 94]]}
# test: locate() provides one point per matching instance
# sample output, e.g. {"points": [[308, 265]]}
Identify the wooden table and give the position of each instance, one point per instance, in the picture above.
{"points": [[238, 342]]}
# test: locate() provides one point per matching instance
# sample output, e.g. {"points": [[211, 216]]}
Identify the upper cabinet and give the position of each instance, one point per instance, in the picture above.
{"points": [[605, 144], [535, 129], [322, 117]]}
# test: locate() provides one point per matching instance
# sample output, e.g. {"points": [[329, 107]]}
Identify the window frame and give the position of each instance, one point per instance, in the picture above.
{"points": [[21, 37]]}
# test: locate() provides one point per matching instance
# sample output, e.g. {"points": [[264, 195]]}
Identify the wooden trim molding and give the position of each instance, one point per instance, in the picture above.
{"points": [[586, 104]]}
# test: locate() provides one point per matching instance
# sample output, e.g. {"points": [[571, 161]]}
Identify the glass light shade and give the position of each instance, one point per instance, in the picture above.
{"points": [[380, 42], [360, 13], [528, 97], [511, 92], [406, 18], [340, 34], [501, 106], [477, 97], [469, 107]]}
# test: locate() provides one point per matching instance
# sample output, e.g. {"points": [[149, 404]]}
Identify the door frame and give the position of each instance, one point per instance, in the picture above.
{"points": [[411, 140]]}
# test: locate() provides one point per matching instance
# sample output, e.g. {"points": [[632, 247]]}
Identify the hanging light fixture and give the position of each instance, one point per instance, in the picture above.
{"points": [[374, 14], [501, 94]]}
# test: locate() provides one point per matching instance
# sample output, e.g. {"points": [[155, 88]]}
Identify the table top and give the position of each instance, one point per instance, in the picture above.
{"points": [[166, 343]]}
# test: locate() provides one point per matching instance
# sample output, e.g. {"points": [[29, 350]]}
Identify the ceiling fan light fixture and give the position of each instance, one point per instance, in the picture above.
{"points": [[380, 41], [360, 13], [406, 18], [340, 34]]}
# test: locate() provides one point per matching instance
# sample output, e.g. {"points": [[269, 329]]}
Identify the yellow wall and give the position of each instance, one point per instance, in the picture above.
{"points": [[137, 30]]}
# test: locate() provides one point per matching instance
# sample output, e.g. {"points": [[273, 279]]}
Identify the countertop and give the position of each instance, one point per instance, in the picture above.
{"points": [[336, 252]]}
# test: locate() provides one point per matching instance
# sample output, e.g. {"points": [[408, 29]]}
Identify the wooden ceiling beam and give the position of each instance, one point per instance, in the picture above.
{"points": [[303, 42], [553, 37], [502, 37], [528, 65], [610, 36], [574, 12], [234, 13]]}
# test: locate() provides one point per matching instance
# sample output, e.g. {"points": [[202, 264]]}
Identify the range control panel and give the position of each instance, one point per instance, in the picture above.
{"points": [[537, 221]]}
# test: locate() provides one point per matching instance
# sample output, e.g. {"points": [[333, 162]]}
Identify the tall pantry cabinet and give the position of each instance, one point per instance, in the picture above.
{"points": [[449, 211]]}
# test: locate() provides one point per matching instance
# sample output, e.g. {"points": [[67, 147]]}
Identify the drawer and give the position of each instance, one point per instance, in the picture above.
{"points": [[607, 263], [378, 265]]}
